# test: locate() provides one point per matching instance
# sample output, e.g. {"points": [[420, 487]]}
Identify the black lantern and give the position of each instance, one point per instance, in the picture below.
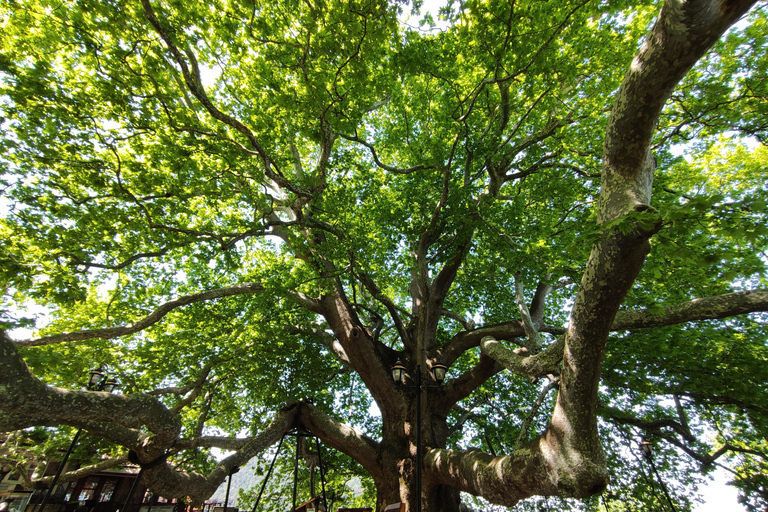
{"points": [[645, 447], [398, 375], [110, 385], [398, 372], [98, 381], [97, 375], [438, 371]]}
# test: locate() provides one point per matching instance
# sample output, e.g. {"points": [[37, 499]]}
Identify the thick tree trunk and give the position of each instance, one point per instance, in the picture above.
{"points": [[398, 457]]}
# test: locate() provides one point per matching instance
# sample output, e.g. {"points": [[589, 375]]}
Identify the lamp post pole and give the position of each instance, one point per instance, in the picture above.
{"points": [[96, 382], [399, 376], [645, 446], [229, 484], [418, 437]]}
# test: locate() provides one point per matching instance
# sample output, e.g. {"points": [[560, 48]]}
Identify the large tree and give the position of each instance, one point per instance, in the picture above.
{"points": [[252, 210]]}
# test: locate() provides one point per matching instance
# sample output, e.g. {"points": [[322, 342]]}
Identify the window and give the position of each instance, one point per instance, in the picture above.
{"points": [[70, 489], [108, 489], [89, 488]]}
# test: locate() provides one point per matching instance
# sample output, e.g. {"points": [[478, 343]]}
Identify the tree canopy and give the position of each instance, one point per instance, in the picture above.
{"points": [[249, 212]]}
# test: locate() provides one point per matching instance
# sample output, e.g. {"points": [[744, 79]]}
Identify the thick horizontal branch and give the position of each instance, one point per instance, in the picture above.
{"points": [[84, 471], [533, 469], [521, 363], [465, 340], [152, 318], [708, 308], [24, 395], [227, 443]]}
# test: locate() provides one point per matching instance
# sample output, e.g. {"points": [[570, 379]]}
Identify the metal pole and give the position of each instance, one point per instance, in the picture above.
{"points": [[133, 489], [322, 476], [418, 438], [296, 468], [266, 478], [663, 487], [226, 496], [59, 470]]}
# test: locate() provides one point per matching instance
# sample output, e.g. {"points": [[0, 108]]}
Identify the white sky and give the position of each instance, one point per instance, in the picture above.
{"points": [[719, 497]]}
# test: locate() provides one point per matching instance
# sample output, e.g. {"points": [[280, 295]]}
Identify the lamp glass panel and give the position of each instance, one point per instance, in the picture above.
{"points": [[95, 378]]}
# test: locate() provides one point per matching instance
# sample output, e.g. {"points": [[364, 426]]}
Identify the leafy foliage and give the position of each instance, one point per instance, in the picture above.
{"points": [[312, 147]]}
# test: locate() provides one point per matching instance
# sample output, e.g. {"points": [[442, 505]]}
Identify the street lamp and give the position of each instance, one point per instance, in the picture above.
{"points": [[97, 381], [438, 371], [399, 376], [398, 372], [646, 448]]}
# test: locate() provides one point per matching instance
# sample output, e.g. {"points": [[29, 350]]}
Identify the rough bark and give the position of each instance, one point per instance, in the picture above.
{"points": [[567, 459], [682, 34], [706, 308], [24, 395]]}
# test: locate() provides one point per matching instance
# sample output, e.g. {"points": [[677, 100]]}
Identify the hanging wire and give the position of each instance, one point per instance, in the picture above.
{"points": [[266, 478], [298, 432]]}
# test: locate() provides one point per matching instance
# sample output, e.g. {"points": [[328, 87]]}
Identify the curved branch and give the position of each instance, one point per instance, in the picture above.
{"points": [[172, 483], [152, 318], [461, 387], [71, 476], [391, 307], [465, 340], [381, 164], [534, 411], [654, 426], [343, 438], [520, 363], [507, 479], [682, 34], [191, 75], [467, 323]]}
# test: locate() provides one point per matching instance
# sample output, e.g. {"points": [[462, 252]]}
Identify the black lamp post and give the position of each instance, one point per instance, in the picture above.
{"points": [[229, 484], [399, 376], [97, 381], [645, 447]]}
